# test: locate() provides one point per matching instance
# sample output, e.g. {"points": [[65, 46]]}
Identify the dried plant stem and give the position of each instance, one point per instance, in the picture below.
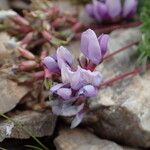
{"points": [[120, 50], [124, 75]]}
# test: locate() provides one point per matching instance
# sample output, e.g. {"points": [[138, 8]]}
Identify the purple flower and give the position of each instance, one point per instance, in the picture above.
{"points": [[130, 7], [92, 47], [76, 83], [81, 82], [55, 62], [51, 64], [111, 10], [64, 57]]}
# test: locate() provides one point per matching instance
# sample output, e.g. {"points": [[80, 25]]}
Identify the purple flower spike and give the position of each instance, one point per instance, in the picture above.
{"points": [[114, 8], [92, 48], [51, 64], [130, 7], [103, 41], [111, 10], [64, 57]]}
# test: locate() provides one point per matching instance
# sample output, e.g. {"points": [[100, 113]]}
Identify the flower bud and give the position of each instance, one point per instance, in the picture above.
{"points": [[20, 20], [28, 65], [25, 53], [92, 47]]}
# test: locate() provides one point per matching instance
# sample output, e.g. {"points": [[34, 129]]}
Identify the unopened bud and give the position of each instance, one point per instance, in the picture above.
{"points": [[38, 75], [20, 20], [28, 65], [47, 35], [25, 53], [77, 27], [27, 39]]}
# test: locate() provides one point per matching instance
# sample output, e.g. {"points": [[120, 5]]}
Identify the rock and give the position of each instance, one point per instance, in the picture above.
{"points": [[4, 53], [39, 124], [122, 110], [78, 139], [4, 4], [17, 4], [10, 94]]}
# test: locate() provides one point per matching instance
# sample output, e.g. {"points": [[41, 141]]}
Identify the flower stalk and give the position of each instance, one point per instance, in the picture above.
{"points": [[133, 72], [120, 50]]}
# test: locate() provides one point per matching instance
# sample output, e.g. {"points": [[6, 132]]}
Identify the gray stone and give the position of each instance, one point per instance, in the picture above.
{"points": [[121, 112], [4, 4], [38, 124], [10, 94], [79, 139]]}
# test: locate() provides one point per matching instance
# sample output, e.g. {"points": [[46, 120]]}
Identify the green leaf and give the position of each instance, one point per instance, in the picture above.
{"points": [[58, 42], [47, 83], [33, 147], [144, 45], [1, 148]]}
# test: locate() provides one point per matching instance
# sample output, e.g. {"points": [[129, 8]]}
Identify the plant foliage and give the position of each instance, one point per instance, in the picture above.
{"points": [[144, 46]]}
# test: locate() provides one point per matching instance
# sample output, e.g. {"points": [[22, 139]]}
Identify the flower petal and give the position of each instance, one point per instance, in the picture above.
{"points": [[92, 78], [103, 42], [103, 10], [51, 64], [114, 8], [96, 13], [65, 93], [66, 74], [130, 7], [89, 9], [71, 110], [76, 80], [77, 120], [90, 46], [56, 87], [88, 91], [64, 56]]}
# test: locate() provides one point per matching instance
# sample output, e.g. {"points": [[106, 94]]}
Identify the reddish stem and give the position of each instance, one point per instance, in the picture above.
{"points": [[104, 29], [108, 28], [119, 50], [122, 76]]}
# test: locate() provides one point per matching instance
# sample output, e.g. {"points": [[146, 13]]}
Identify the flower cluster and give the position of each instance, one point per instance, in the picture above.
{"points": [[41, 27], [111, 10], [76, 82]]}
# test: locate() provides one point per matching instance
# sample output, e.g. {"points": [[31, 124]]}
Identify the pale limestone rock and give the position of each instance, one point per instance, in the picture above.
{"points": [[79, 139], [39, 124], [123, 109]]}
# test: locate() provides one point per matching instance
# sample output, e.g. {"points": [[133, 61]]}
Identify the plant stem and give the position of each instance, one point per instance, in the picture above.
{"points": [[109, 28], [122, 76], [120, 50]]}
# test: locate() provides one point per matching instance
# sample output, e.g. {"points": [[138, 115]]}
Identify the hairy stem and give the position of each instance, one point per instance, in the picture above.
{"points": [[124, 75], [109, 28], [120, 50]]}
